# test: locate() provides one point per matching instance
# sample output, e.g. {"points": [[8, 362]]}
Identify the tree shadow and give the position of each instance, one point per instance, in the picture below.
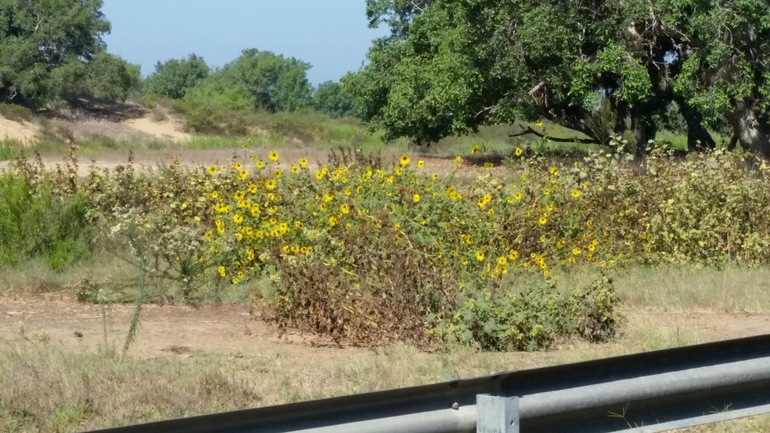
{"points": [[84, 107]]}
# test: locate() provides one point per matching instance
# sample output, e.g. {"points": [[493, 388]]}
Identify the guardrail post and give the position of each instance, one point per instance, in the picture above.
{"points": [[497, 414]]}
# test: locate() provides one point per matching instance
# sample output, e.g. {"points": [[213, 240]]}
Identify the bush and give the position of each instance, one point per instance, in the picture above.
{"points": [[532, 318], [174, 78], [36, 221]]}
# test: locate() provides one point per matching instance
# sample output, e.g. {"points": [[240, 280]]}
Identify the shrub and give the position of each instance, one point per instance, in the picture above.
{"points": [[174, 78], [36, 221]]}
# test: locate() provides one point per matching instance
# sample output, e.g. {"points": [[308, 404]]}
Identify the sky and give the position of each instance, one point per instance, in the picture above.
{"points": [[332, 35]]}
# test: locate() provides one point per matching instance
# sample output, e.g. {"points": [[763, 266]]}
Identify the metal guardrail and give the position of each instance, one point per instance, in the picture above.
{"points": [[647, 392]]}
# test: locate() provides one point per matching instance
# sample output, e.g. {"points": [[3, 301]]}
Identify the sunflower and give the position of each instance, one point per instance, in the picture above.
{"points": [[213, 169], [416, 198], [404, 160], [302, 162], [273, 156]]}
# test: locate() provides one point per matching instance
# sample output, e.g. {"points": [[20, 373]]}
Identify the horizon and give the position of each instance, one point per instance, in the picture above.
{"points": [[333, 37]]}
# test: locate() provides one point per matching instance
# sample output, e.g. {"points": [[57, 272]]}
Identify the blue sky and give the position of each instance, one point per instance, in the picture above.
{"points": [[331, 35]]}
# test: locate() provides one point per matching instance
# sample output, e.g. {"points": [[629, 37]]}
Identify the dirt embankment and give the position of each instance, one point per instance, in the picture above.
{"points": [[89, 118]]}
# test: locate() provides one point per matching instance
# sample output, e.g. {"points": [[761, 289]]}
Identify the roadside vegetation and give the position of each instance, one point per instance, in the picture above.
{"points": [[635, 180]]}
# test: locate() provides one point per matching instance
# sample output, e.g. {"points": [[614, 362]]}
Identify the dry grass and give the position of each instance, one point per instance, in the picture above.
{"points": [[44, 388], [732, 289], [47, 388]]}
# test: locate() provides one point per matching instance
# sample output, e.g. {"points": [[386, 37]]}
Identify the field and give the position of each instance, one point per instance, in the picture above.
{"points": [[68, 304]]}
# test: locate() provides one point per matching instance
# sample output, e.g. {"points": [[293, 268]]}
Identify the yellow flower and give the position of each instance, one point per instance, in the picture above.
{"points": [[458, 161], [513, 255], [433, 177], [398, 171], [539, 122], [348, 192], [576, 251], [517, 196], [239, 195], [252, 188], [420, 164], [332, 221], [550, 207], [575, 193], [294, 169], [404, 160], [278, 173], [416, 198], [213, 169], [518, 151], [344, 209], [237, 166], [475, 149], [480, 255], [214, 194], [260, 164], [243, 175], [222, 272], [302, 162], [547, 191], [502, 261], [319, 174], [273, 156], [543, 220], [238, 218], [270, 184]]}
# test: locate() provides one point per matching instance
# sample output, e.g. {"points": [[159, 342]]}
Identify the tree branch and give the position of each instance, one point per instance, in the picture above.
{"points": [[528, 130]]}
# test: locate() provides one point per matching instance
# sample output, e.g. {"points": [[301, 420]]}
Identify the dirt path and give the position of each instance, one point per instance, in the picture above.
{"points": [[229, 329], [151, 160]]}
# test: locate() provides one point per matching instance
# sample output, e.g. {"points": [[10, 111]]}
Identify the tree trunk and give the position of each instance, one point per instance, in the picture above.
{"points": [[698, 137], [752, 133], [643, 132]]}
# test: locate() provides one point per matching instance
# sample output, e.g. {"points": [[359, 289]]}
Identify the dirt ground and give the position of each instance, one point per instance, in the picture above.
{"points": [[230, 329], [24, 132]]}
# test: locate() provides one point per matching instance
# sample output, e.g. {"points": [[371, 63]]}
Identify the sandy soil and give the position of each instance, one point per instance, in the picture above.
{"points": [[164, 130], [24, 132]]}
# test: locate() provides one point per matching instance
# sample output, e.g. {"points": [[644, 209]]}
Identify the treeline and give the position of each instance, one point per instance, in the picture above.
{"points": [[255, 81], [51, 50]]}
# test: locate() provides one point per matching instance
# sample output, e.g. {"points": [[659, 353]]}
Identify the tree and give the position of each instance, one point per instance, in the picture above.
{"points": [[333, 99], [272, 82], [450, 66], [109, 77], [174, 78], [44, 43]]}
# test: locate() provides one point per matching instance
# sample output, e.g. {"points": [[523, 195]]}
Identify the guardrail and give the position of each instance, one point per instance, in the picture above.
{"points": [[647, 392]]}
